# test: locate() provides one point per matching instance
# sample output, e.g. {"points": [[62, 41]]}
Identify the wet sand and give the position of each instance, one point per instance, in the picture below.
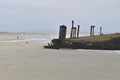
{"points": [[30, 61]]}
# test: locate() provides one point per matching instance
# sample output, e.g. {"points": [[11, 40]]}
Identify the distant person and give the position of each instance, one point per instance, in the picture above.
{"points": [[17, 37]]}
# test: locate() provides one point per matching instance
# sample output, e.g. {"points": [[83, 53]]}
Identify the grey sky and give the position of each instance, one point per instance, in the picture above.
{"points": [[48, 15]]}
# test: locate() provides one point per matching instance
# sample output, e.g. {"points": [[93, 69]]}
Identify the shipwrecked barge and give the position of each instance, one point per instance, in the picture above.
{"points": [[101, 42]]}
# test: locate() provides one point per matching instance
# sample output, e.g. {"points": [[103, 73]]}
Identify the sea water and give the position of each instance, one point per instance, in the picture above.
{"points": [[44, 38]]}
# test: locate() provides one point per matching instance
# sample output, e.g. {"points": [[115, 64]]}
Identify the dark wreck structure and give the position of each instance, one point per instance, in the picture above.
{"points": [[76, 42]]}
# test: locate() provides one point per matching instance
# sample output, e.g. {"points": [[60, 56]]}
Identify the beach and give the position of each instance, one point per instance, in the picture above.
{"points": [[27, 59]]}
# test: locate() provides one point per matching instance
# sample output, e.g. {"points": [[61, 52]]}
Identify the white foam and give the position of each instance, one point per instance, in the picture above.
{"points": [[116, 51], [45, 40]]}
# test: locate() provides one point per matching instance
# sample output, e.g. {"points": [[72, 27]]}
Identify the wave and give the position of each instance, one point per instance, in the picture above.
{"points": [[117, 51], [43, 40]]}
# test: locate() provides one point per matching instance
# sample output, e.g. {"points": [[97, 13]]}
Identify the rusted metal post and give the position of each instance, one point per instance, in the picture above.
{"points": [[100, 31], [62, 32], [78, 31], [92, 30], [74, 32], [71, 34]]}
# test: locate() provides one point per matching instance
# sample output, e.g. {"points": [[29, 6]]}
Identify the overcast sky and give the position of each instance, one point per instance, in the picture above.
{"points": [[48, 15]]}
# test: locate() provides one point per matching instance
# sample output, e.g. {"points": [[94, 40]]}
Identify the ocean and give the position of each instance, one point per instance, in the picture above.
{"points": [[44, 38], [30, 37]]}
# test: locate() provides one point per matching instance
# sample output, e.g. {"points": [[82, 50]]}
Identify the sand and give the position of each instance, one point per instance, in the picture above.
{"points": [[30, 61]]}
